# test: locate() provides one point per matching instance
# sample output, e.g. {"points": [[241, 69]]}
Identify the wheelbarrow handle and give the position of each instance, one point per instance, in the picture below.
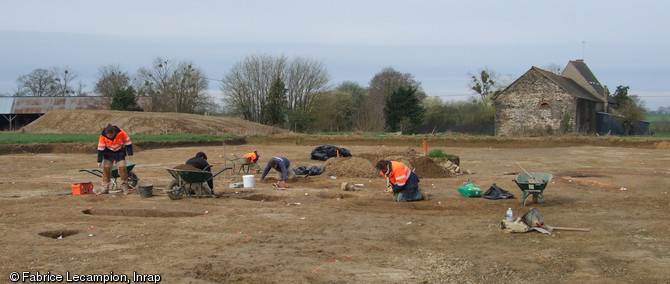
{"points": [[224, 169], [96, 172]]}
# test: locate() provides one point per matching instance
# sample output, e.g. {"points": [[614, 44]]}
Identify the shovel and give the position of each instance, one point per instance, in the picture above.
{"points": [[538, 227], [541, 230], [531, 178], [552, 228]]}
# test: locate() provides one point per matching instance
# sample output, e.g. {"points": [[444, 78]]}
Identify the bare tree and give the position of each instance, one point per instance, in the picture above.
{"points": [[39, 83], [154, 82], [80, 91], [64, 81], [247, 85], [111, 79], [305, 78], [189, 85], [173, 87]]}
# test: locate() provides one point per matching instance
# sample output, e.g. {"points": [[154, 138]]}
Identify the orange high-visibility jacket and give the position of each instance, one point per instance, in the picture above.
{"points": [[252, 156], [121, 139], [399, 173]]}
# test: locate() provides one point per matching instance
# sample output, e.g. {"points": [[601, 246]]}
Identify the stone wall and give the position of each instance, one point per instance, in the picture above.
{"points": [[533, 106]]}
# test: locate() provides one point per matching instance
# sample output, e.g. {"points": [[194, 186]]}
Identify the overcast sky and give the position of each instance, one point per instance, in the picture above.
{"points": [[439, 42]]}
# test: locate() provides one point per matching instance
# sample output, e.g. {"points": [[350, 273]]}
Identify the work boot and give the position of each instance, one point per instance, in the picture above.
{"points": [[124, 187], [123, 175], [106, 178], [104, 188]]}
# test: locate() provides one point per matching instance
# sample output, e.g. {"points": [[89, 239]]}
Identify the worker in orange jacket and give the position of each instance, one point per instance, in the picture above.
{"points": [[402, 181], [113, 145], [253, 160]]}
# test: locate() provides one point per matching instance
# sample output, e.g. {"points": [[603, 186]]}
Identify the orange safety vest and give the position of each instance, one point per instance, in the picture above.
{"points": [[121, 139], [252, 156], [399, 173]]}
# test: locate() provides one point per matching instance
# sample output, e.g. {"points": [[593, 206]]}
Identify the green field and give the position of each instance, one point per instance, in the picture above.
{"points": [[653, 117]]}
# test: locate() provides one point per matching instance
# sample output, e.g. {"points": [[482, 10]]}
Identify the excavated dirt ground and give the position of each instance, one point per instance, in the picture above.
{"points": [[313, 232]]}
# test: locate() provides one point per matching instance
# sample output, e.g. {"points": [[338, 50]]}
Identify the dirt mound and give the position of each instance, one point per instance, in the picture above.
{"points": [[363, 165], [92, 121], [350, 167], [185, 167], [663, 145]]}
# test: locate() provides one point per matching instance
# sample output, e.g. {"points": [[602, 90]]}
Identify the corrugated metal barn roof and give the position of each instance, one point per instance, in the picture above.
{"points": [[6, 105], [45, 104], [41, 105]]}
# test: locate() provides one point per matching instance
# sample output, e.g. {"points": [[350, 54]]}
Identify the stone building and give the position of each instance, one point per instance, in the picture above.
{"points": [[543, 103]]}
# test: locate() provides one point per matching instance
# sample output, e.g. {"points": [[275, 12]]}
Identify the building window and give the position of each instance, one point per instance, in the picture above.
{"points": [[544, 105]]}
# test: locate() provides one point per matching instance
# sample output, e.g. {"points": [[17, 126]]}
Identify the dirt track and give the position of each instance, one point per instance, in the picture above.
{"points": [[313, 232]]}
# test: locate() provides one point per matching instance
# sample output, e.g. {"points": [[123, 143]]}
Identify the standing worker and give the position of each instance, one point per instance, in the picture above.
{"points": [[253, 160], [283, 166], [113, 146], [402, 181]]}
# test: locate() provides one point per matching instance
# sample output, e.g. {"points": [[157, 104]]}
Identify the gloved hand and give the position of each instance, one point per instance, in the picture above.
{"points": [[389, 189]]}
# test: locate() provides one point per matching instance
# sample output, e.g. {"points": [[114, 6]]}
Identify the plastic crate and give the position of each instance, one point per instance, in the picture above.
{"points": [[82, 188]]}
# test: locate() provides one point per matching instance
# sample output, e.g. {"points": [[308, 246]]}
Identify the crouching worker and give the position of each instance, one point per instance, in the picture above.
{"points": [[402, 181], [113, 146], [200, 162], [253, 161], [283, 167]]}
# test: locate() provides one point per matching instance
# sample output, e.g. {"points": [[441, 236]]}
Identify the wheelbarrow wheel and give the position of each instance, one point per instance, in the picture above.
{"points": [[174, 190], [132, 179]]}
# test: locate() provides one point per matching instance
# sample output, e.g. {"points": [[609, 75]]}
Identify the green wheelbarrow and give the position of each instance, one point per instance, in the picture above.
{"points": [[190, 183], [132, 177], [533, 183]]}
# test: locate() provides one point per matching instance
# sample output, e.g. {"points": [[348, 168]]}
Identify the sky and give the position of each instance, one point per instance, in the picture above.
{"points": [[441, 43]]}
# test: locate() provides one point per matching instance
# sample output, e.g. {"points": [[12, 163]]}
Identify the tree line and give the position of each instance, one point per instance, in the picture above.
{"points": [[293, 93]]}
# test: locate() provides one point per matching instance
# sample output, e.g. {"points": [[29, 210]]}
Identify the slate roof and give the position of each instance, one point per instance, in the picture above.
{"points": [[585, 72], [569, 85]]}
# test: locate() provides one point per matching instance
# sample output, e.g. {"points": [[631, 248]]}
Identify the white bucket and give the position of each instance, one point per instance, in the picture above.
{"points": [[248, 180]]}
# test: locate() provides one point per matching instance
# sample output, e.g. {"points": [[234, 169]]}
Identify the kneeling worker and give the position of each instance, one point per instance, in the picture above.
{"points": [[401, 180]]}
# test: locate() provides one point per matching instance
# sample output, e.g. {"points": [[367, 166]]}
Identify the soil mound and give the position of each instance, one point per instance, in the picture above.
{"points": [[663, 145], [363, 165], [92, 121], [350, 167], [186, 167]]}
